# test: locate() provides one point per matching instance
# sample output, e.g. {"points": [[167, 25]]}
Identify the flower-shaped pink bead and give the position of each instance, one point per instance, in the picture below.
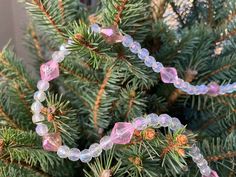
{"points": [[51, 142], [122, 133], [49, 70], [213, 174], [169, 75]]}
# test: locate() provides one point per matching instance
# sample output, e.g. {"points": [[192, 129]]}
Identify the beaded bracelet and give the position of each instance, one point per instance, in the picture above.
{"points": [[168, 74], [121, 133]]}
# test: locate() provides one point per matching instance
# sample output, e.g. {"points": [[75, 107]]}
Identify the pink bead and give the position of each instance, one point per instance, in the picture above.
{"points": [[213, 89], [51, 142], [122, 133], [111, 34], [169, 75], [213, 174], [49, 70]]}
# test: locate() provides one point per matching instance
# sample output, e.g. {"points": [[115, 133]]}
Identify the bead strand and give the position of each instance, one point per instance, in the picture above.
{"points": [[168, 74]]}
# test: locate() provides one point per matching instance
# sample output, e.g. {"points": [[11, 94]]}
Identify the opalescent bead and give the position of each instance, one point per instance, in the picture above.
{"points": [[135, 47], [43, 85], [164, 120], [58, 56], [36, 107], [213, 89], [157, 66], [95, 150], [39, 96], [198, 158], [169, 75], [127, 41], [49, 70], [74, 154], [202, 163], [41, 129], [175, 124], [95, 28], [140, 123], [64, 50], [37, 118], [106, 143], [143, 53], [122, 133], [205, 171], [178, 83], [52, 141], [63, 151], [194, 150], [85, 156], [152, 120], [149, 61]]}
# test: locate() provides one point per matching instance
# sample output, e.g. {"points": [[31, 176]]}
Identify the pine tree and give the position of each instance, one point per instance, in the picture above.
{"points": [[101, 84]]}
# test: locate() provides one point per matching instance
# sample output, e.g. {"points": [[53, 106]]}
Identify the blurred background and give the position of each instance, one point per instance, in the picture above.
{"points": [[13, 21]]}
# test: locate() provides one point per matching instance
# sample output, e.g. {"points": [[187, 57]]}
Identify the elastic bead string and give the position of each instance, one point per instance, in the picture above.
{"points": [[122, 132], [168, 74]]}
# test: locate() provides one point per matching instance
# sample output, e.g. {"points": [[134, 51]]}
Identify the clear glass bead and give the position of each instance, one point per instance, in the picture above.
{"points": [[135, 47], [202, 163], [127, 41], [43, 85], [149, 61], [37, 118], [143, 53], [64, 49], [106, 143], [63, 152], [175, 124], [95, 28], [194, 151], [74, 154], [58, 56], [206, 170], [39, 96], [41, 129], [95, 150], [198, 158], [85, 156], [164, 120], [178, 83], [140, 123], [157, 66], [153, 120], [36, 107]]}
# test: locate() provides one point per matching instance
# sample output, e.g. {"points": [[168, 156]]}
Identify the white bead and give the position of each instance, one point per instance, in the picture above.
{"points": [[39, 96], [143, 53], [37, 118], [202, 163], [149, 61], [64, 50], [164, 120], [43, 85], [153, 120], [63, 151], [58, 56], [36, 107], [135, 47], [157, 66], [74, 154], [198, 158], [95, 28], [175, 124], [106, 143], [206, 171], [127, 41], [194, 151], [41, 129], [95, 150], [140, 123], [85, 156]]}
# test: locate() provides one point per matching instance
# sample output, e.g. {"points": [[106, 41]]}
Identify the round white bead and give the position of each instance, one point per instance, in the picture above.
{"points": [[149, 61], [143, 53], [202, 163], [39, 96], [157, 66], [164, 120], [64, 50], [41, 129], [198, 158], [194, 151], [74, 154], [36, 107], [85, 156], [175, 124], [37, 118], [153, 120], [58, 56], [135, 47], [95, 150], [106, 143], [127, 41], [43, 85], [140, 123], [63, 151], [95, 28], [205, 171]]}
